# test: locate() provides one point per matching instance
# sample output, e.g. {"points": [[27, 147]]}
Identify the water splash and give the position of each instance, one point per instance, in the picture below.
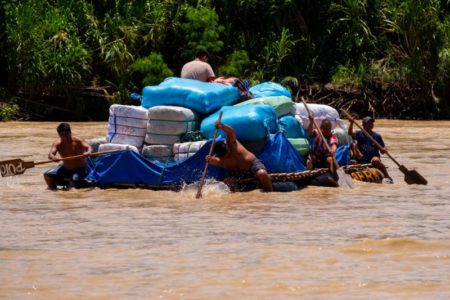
{"points": [[211, 189]]}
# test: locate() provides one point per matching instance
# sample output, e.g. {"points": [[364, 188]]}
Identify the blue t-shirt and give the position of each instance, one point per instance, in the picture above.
{"points": [[367, 147]]}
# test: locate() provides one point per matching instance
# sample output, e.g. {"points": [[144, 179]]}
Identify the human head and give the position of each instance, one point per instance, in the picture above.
{"points": [[325, 127], [220, 149], [64, 130], [63, 127], [202, 54], [368, 122]]}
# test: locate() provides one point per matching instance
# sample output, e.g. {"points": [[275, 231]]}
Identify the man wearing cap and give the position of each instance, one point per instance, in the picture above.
{"points": [[371, 153], [199, 68]]}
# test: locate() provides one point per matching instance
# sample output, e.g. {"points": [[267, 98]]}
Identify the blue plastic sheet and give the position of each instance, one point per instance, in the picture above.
{"points": [[279, 156], [128, 167], [292, 127], [201, 97], [343, 155], [249, 122], [267, 89]]}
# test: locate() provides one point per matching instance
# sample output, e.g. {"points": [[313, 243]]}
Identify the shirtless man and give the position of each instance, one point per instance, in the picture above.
{"points": [[234, 157], [73, 169]]}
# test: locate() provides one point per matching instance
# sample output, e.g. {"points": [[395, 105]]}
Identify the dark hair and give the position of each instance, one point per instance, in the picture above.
{"points": [[325, 122], [201, 52], [220, 149], [63, 127]]}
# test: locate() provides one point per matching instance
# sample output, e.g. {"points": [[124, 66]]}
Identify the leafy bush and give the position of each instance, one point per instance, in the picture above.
{"points": [[150, 70], [46, 53], [277, 49], [236, 65], [349, 75], [8, 111], [202, 30]]}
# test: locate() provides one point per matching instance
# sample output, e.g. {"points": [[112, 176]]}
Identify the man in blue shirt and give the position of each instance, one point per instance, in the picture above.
{"points": [[371, 153]]}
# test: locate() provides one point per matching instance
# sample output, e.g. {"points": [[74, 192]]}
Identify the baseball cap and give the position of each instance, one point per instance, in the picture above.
{"points": [[367, 119]]}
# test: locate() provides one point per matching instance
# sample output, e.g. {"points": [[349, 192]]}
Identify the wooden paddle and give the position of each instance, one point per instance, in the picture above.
{"points": [[344, 180], [411, 176], [202, 180], [18, 166]]}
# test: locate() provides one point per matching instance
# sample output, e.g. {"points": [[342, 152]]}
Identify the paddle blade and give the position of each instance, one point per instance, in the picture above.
{"points": [[344, 180], [14, 167], [412, 176]]}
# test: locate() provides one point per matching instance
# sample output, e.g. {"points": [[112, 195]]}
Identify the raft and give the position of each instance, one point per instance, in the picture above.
{"points": [[170, 112], [128, 169], [282, 182]]}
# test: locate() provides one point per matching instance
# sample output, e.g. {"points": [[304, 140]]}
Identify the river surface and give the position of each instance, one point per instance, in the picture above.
{"points": [[373, 242]]}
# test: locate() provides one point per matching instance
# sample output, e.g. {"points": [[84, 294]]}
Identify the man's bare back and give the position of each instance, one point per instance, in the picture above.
{"points": [[238, 158], [234, 157]]}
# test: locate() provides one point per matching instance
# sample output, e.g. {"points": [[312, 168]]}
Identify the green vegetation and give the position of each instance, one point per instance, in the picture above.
{"points": [[57, 48]]}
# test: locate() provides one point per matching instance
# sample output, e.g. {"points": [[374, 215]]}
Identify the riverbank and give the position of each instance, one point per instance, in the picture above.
{"points": [[392, 101], [386, 101]]}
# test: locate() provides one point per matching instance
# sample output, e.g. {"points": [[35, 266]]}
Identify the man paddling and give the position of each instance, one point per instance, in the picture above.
{"points": [[236, 158], [67, 145], [370, 151]]}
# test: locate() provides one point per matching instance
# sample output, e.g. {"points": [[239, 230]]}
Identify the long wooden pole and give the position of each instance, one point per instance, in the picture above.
{"points": [[18, 166], [202, 180]]}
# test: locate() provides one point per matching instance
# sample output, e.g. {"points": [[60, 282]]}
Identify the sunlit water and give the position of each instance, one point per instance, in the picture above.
{"points": [[373, 242]]}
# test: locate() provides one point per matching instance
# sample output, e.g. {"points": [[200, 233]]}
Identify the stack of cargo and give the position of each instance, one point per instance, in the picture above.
{"points": [[127, 126], [182, 151], [320, 113], [165, 127], [295, 134]]}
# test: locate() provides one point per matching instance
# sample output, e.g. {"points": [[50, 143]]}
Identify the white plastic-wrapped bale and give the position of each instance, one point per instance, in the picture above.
{"points": [[342, 136], [161, 153], [96, 142], [127, 125], [161, 139], [182, 151], [320, 113], [167, 124], [110, 147]]}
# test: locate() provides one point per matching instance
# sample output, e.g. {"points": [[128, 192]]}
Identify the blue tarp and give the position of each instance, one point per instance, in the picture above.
{"points": [[292, 127], [128, 167], [202, 97], [249, 122], [268, 89], [343, 155], [131, 168]]}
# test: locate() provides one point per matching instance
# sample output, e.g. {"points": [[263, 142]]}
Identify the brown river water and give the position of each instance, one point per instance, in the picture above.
{"points": [[372, 242]]}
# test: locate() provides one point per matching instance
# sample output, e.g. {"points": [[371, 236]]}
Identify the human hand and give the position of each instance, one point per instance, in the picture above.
{"points": [[208, 158], [218, 125]]}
